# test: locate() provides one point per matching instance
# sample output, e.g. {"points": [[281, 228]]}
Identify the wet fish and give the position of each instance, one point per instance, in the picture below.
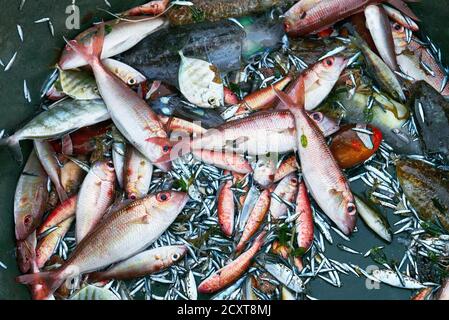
{"points": [[319, 80], [224, 160], [351, 148], [121, 36], [136, 227], [304, 221], [137, 174], [47, 157], [47, 245], [255, 219], [72, 175], [203, 10], [321, 173], [65, 117], [95, 196], [391, 278], [232, 271], [431, 111], [142, 264], [175, 106], [127, 74], [226, 207], [401, 18], [91, 292], [415, 60], [179, 127], [288, 165], [30, 198], [264, 171], [311, 16], [131, 115], [79, 85], [375, 220], [387, 115], [118, 155], [285, 276], [154, 7], [200, 82], [285, 192], [380, 71], [380, 28], [427, 189], [62, 212]]}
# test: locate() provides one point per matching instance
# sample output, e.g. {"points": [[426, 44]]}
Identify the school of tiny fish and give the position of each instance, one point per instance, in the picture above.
{"points": [[212, 150]]}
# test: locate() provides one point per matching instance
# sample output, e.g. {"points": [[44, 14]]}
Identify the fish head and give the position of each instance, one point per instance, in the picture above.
{"points": [[175, 253], [213, 97], [25, 255], [326, 124], [296, 17], [161, 151], [168, 202], [346, 217], [330, 68], [68, 58], [399, 33], [104, 170]]}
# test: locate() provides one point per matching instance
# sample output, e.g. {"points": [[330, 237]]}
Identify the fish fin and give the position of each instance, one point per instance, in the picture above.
{"points": [[50, 281], [14, 147], [402, 6], [145, 219], [92, 52], [288, 101], [62, 194]]}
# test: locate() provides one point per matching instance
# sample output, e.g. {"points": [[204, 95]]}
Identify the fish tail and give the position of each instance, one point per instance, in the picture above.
{"points": [[402, 6], [288, 101], [49, 282], [13, 144], [92, 51], [62, 194]]}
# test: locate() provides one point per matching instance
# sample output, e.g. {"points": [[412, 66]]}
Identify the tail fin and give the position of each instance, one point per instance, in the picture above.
{"points": [[299, 100], [92, 51], [14, 146], [402, 6], [49, 282]]}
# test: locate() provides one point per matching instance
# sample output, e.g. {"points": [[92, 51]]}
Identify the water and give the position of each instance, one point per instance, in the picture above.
{"points": [[38, 54]]}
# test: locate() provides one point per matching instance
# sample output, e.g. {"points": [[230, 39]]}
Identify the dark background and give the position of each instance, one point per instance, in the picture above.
{"points": [[40, 51]]}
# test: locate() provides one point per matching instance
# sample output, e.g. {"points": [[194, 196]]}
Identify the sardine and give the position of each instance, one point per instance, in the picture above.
{"points": [[47, 157], [285, 276], [391, 278], [375, 220]]}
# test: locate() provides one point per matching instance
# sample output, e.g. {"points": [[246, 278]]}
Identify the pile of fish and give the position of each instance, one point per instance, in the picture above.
{"points": [[213, 149]]}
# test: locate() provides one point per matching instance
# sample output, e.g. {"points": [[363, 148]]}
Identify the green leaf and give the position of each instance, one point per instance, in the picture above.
{"points": [[108, 29], [298, 252], [378, 255], [284, 235]]}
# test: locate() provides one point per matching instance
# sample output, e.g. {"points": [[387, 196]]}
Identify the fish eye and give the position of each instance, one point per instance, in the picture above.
{"points": [[212, 101], [329, 62], [294, 181], [163, 196], [317, 116], [27, 219], [131, 81], [351, 208], [166, 148], [132, 197], [175, 257], [303, 15], [398, 27]]}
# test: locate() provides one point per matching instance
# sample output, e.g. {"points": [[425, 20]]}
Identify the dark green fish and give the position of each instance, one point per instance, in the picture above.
{"points": [[427, 189]]}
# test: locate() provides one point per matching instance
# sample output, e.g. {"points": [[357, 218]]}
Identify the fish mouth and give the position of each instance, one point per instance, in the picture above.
{"points": [[347, 224]]}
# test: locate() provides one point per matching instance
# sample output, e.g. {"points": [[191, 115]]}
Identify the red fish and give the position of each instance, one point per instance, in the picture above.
{"points": [[311, 16], [226, 207]]}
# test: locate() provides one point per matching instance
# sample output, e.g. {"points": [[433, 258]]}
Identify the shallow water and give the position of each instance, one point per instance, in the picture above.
{"points": [[39, 52]]}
